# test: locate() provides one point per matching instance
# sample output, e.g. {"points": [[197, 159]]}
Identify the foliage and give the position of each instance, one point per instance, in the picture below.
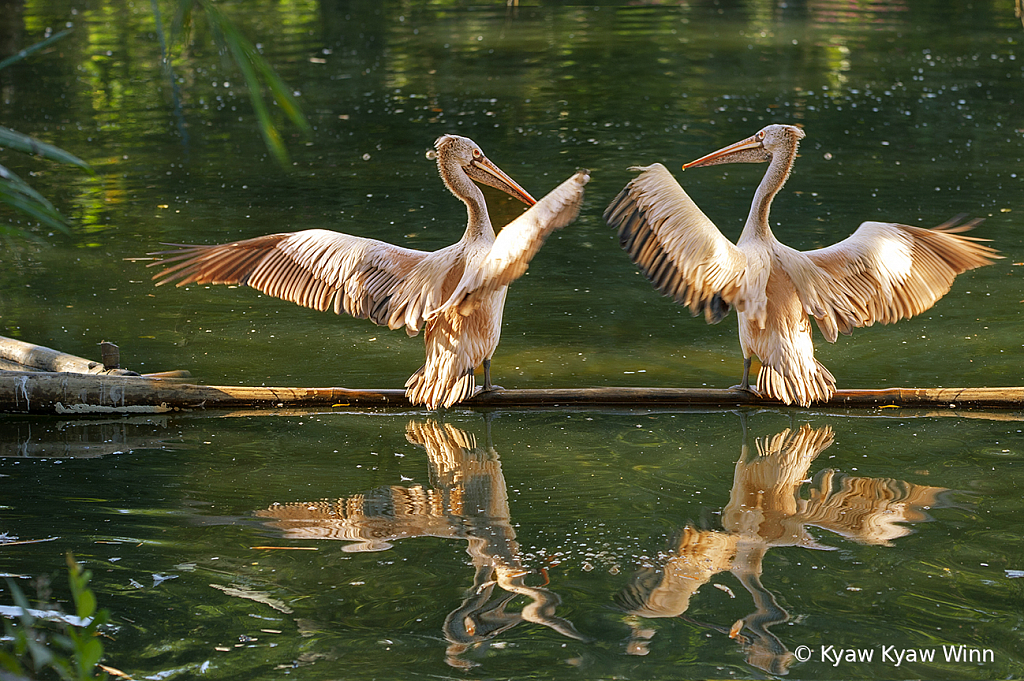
{"points": [[33, 48], [68, 646], [14, 191], [257, 72], [255, 69]]}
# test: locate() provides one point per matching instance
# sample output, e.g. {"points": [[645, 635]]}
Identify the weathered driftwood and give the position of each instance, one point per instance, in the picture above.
{"points": [[68, 393], [7, 365], [40, 358]]}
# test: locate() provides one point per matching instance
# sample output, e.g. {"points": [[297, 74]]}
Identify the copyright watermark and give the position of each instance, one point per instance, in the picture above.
{"points": [[893, 655]]}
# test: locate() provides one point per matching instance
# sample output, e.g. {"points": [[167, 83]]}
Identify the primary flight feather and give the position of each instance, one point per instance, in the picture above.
{"points": [[455, 294], [883, 272]]}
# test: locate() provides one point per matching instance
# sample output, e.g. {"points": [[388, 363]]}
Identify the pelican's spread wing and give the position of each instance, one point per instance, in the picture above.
{"points": [[675, 244], [883, 272], [316, 268], [518, 242]]}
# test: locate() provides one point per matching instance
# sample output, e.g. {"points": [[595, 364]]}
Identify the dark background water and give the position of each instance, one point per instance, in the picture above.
{"points": [[913, 114]]}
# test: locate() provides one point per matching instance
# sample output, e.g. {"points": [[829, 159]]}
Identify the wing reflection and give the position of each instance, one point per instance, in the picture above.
{"points": [[767, 508], [467, 500]]}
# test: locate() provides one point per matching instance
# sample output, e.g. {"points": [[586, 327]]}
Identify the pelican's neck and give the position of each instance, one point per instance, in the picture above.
{"points": [[778, 171], [479, 222]]}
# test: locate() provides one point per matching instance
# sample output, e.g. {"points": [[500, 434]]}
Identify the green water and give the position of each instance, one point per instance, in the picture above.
{"points": [[583, 544]]}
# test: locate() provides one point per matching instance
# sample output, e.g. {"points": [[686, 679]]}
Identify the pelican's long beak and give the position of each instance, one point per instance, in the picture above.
{"points": [[482, 170], [749, 150]]}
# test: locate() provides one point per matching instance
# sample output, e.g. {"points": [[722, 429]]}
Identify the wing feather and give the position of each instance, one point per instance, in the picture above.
{"points": [[677, 247], [882, 273], [319, 269], [517, 243]]}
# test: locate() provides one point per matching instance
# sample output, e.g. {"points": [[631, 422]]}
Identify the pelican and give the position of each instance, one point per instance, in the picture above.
{"points": [[883, 272], [456, 294]]}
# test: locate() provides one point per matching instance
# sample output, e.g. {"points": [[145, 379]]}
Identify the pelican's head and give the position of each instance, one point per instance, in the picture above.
{"points": [[455, 153], [758, 148]]}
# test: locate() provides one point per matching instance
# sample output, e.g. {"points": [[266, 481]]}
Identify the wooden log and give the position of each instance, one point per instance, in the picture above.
{"points": [[68, 393], [8, 365], [47, 359]]}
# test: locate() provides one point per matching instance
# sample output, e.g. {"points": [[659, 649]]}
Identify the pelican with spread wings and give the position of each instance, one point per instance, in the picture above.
{"points": [[456, 294], [883, 272]]}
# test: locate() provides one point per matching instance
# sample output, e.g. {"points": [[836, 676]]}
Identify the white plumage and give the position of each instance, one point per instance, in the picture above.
{"points": [[456, 294], [883, 272]]}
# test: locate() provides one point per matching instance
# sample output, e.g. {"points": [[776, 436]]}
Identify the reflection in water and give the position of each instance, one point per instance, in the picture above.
{"points": [[766, 509], [81, 439], [467, 500]]}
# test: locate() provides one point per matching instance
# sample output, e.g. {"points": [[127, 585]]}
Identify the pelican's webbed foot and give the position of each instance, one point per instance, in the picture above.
{"points": [[480, 389]]}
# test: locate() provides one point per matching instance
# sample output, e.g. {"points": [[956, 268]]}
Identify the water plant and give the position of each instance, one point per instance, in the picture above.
{"points": [[43, 641]]}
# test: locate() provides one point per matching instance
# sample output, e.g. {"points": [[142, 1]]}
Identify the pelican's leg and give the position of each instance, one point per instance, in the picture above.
{"points": [[745, 381], [488, 386]]}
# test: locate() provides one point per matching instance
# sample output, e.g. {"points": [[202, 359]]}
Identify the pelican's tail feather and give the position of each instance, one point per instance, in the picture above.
{"points": [[428, 390], [815, 385]]}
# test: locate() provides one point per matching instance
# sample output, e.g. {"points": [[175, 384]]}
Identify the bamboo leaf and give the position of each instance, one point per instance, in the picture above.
{"points": [[9, 178], [14, 191], [253, 66], [280, 91], [182, 23], [44, 213], [241, 51], [33, 48], [12, 231], [17, 193], [30, 145]]}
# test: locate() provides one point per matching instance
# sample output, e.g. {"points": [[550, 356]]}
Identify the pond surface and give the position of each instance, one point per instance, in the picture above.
{"points": [[629, 544], [583, 545]]}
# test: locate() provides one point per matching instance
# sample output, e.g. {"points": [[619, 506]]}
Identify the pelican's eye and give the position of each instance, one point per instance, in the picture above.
{"points": [[477, 154], [760, 135]]}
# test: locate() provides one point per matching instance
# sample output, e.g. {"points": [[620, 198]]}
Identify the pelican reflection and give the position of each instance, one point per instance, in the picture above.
{"points": [[467, 499], [772, 504]]}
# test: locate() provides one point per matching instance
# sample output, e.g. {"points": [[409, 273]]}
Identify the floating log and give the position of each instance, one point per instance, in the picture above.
{"points": [[7, 365], [69, 393], [40, 358], [38, 380]]}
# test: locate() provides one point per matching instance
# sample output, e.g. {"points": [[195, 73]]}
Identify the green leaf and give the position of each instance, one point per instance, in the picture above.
{"points": [[14, 183], [33, 48], [85, 603], [39, 210], [30, 145], [279, 90], [27, 620], [253, 66], [241, 51], [41, 655], [11, 231], [10, 663], [16, 193], [88, 656], [182, 24]]}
